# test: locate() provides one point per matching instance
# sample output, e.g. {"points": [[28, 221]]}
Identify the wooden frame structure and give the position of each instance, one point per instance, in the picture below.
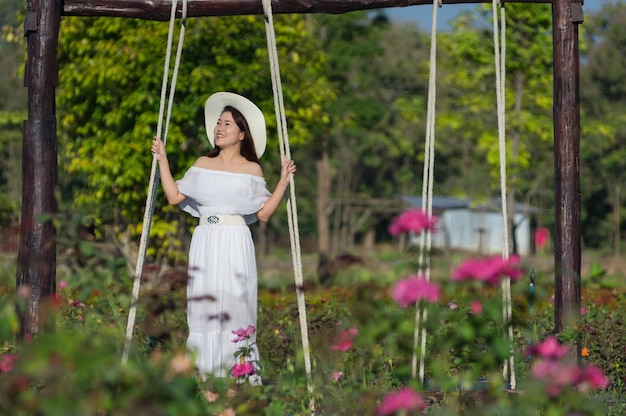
{"points": [[37, 250]]}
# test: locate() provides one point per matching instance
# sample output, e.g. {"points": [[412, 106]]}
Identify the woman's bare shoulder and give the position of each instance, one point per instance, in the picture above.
{"points": [[204, 162], [244, 166], [254, 168]]}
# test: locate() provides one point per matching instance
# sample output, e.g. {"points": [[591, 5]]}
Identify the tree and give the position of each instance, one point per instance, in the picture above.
{"points": [[529, 63], [349, 41], [603, 147], [378, 71], [12, 112], [468, 114]]}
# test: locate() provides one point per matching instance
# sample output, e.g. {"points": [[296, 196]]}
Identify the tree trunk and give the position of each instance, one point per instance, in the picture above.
{"points": [[323, 224], [515, 140], [617, 218]]}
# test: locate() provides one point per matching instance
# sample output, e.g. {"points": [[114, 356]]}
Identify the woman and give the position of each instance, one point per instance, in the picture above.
{"points": [[226, 190]]}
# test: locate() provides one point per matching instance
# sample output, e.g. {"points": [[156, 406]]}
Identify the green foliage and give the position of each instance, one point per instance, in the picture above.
{"points": [[467, 104], [355, 84], [12, 111], [602, 137], [77, 368], [375, 141], [110, 78], [599, 322]]}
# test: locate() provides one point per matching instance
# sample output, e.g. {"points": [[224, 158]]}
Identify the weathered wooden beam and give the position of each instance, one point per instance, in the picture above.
{"points": [[566, 16], [160, 9], [36, 268]]}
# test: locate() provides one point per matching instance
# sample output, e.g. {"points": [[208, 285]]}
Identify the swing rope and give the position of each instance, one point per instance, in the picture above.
{"points": [[427, 185], [292, 214], [499, 46], [427, 198], [154, 176]]}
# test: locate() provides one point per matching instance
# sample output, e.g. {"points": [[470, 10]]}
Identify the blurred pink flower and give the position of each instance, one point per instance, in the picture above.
{"points": [[62, 284], [477, 307], [452, 305], [412, 221], [413, 289], [542, 236], [57, 300], [555, 376], [344, 340], [583, 310], [549, 349], [337, 375], [488, 270], [243, 334], [244, 369], [404, 400], [592, 377], [7, 362]]}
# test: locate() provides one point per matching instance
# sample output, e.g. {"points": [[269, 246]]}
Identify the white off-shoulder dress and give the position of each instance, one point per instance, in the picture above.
{"points": [[222, 286]]}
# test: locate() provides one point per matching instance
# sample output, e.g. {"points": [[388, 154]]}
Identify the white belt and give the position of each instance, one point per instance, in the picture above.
{"points": [[222, 220]]}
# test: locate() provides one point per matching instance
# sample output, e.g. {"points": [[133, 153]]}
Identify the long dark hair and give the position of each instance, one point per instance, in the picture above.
{"points": [[247, 144]]}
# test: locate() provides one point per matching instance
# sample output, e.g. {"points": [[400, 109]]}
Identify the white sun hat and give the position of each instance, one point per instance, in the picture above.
{"points": [[254, 116]]}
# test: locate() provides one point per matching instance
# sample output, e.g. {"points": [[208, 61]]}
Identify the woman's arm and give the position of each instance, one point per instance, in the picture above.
{"points": [[170, 188], [270, 206]]}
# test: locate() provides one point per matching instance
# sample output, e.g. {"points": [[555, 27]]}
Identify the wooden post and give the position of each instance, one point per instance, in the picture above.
{"points": [[566, 16], [36, 268]]}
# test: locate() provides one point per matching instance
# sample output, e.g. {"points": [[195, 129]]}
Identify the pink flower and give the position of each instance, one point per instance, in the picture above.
{"points": [[413, 289], [592, 377], [244, 369], [542, 236], [405, 399], [62, 284], [555, 376], [452, 305], [243, 334], [337, 375], [488, 270], [477, 307], [7, 362], [344, 340], [413, 221], [550, 349], [583, 310]]}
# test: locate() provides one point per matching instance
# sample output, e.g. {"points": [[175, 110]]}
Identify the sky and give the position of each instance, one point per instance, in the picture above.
{"points": [[422, 14]]}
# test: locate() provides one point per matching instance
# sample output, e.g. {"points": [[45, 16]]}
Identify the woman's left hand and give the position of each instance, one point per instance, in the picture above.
{"points": [[289, 168]]}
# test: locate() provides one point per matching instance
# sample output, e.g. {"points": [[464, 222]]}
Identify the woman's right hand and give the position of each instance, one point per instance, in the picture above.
{"points": [[158, 149]]}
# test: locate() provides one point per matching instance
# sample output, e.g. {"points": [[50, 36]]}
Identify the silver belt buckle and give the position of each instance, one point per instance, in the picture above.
{"points": [[213, 219]]}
